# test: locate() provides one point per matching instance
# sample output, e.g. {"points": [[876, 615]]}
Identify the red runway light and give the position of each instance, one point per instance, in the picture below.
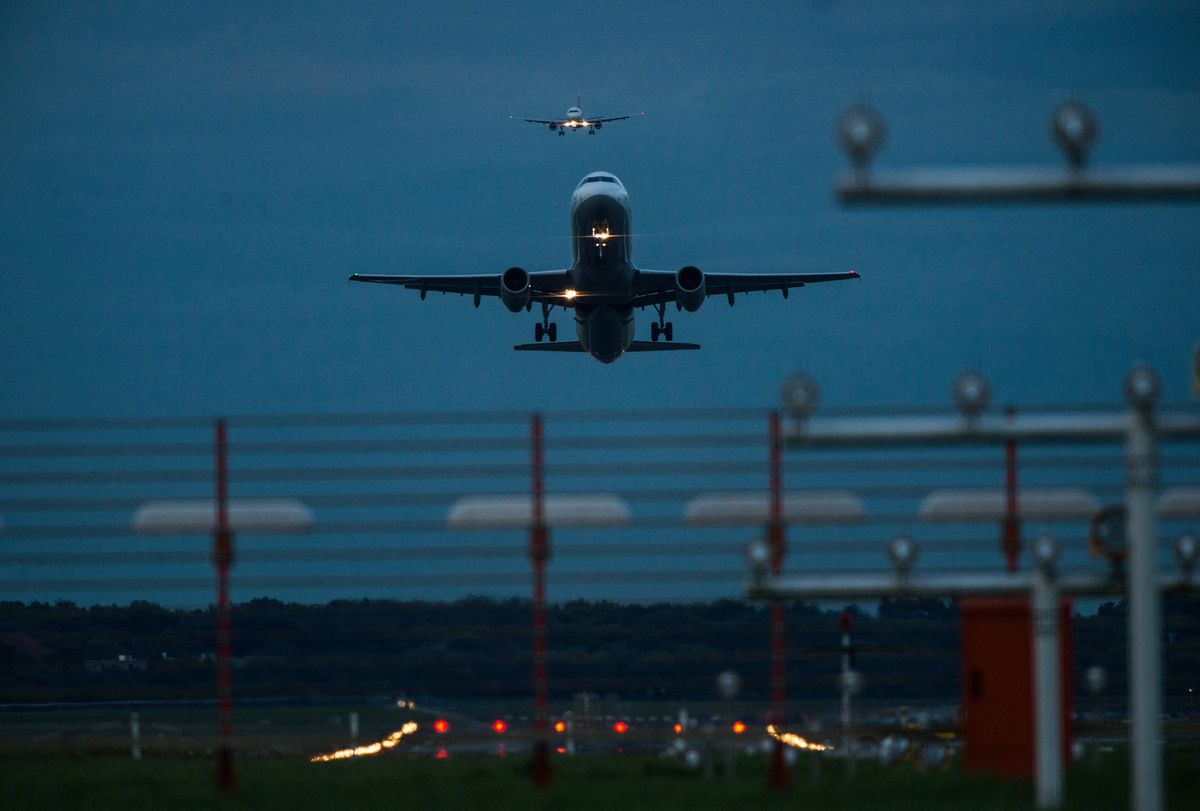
{"points": [[620, 727], [559, 726], [678, 729], [442, 754], [499, 726], [738, 727], [440, 726]]}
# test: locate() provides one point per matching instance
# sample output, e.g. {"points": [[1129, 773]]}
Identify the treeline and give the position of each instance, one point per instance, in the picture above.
{"points": [[907, 649]]}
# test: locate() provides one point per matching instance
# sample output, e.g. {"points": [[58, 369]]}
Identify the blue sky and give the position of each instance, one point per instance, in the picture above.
{"points": [[184, 191]]}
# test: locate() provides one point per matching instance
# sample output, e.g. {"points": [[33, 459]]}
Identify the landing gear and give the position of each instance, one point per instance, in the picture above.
{"points": [[664, 329], [545, 329]]}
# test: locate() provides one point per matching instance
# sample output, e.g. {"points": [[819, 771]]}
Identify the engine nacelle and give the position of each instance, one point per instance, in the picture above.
{"points": [[514, 289], [689, 288]]}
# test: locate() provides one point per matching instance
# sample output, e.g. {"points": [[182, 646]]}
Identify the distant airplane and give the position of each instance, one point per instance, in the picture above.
{"points": [[576, 120], [603, 285]]}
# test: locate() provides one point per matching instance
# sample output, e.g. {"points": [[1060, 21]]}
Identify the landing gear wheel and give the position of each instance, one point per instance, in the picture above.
{"points": [[538, 332], [552, 331], [662, 327]]}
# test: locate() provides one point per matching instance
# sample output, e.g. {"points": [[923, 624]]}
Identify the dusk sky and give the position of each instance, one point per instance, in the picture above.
{"points": [[185, 190]]}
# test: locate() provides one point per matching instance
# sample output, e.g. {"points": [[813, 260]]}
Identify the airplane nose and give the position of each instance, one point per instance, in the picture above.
{"points": [[599, 208]]}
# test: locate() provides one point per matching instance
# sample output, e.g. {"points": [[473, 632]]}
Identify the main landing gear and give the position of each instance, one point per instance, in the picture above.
{"points": [[663, 329], [546, 329]]}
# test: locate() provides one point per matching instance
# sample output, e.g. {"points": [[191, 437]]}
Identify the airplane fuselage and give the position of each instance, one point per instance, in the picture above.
{"points": [[602, 266]]}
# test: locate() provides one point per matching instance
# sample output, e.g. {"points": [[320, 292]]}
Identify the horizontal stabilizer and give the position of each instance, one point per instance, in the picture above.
{"points": [[553, 346], [654, 346], [575, 346]]}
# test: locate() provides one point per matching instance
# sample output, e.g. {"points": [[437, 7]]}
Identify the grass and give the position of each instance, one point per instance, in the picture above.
{"points": [[600, 782]]}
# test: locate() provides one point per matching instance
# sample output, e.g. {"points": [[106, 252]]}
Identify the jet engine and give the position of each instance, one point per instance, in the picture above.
{"points": [[689, 288], [514, 289]]}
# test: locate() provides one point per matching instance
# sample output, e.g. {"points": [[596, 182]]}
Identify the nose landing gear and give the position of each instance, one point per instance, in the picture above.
{"points": [[661, 328]]}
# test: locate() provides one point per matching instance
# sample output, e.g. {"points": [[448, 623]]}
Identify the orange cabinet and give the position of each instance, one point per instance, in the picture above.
{"points": [[997, 685]]}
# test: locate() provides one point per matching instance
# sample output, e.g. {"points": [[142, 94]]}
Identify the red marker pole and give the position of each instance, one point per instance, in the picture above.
{"points": [[1011, 537], [539, 554], [223, 558], [776, 540]]}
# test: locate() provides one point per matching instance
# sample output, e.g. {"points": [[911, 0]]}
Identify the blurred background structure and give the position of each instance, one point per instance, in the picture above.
{"points": [[381, 558]]}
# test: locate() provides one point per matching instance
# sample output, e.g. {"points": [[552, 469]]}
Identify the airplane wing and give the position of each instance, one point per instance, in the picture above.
{"points": [[576, 346], [546, 285], [543, 120], [613, 118], [658, 286]]}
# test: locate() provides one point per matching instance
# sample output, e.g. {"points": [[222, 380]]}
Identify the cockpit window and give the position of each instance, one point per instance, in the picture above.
{"points": [[599, 179]]}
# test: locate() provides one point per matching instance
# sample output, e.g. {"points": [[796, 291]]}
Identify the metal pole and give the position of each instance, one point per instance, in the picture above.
{"points": [[223, 558], [1047, 682], [1145, 610], [776, 540], [135, 736], [846, 745], [539, 553], [1011, 540]]}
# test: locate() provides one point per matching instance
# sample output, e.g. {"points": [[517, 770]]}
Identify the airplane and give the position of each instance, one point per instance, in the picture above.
{"points": [[603, 285], [575, 120]]}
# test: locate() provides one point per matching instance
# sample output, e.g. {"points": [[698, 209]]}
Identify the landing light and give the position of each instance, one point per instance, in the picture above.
{"points": [[570, 294]]}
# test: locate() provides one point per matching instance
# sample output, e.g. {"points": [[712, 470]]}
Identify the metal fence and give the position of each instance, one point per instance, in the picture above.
{"points": [[382, 559]]}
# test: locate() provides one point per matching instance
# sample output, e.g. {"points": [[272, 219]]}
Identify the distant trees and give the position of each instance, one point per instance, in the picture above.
{"points": [[907, 649]]}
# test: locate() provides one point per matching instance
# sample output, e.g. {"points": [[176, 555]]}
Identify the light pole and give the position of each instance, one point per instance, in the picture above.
{"points": [[1142, 388]]}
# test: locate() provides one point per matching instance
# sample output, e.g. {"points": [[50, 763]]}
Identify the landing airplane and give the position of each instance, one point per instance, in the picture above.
{"points": [[603, 286], [576, 120]]}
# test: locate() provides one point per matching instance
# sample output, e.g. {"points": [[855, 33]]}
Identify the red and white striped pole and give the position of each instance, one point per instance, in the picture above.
{"points": [[223, 558], [776, 541], [539, 554]]}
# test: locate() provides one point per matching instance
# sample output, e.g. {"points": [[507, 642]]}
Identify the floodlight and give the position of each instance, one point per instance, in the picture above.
{"points": [[728, 684], [1044, 551], [1185, 551], [902, 552], [972, 392], [1073, 126], [1142, 387], [800, 395], [758, 556], [860, 133]]}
